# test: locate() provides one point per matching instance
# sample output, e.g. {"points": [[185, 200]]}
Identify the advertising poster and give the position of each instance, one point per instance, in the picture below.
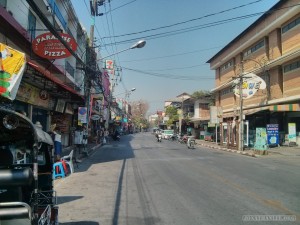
{"points": [[12, 66], [292, 132], [273, 134]]}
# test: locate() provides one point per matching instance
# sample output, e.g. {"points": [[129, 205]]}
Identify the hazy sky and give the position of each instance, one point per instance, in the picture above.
{"points": [[181, 37]]}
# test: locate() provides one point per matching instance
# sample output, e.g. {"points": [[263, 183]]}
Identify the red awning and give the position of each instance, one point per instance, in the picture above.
{"points": [[48, 74]]}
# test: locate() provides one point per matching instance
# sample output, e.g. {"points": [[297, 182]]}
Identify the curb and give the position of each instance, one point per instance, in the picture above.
{"points": [[229, 150]]}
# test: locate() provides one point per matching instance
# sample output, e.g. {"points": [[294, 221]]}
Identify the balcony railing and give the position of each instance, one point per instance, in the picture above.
{"points": [[57, 12]]}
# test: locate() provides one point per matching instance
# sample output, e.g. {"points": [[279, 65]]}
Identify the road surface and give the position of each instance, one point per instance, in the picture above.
{"points": [[139, 181]]}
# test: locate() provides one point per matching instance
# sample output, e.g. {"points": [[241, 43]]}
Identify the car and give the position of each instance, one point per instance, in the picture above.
{"points": [[166, 134]]}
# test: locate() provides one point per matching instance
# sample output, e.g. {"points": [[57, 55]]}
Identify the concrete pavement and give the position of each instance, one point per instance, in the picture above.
{"points": [[282, 150]]}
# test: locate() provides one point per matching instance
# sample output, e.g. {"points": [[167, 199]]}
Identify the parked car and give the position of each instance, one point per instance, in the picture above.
{"points": [[209, 136], [166, 134]]}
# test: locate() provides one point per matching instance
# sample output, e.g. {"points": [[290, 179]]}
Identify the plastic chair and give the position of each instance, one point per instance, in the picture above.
{"points": [[58, 170], [68, 159]]}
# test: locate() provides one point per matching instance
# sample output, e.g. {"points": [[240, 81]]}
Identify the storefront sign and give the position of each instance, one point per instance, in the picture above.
{"points": [[292, 132], [251, 84], [48, 46], [12, 66], [95, 117], [273, 134], [30, 94]]}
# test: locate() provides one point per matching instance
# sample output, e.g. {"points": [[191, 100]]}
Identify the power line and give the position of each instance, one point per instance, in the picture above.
{"points": [[174, 55], [198, 27], [169, 76], [187, 21]]}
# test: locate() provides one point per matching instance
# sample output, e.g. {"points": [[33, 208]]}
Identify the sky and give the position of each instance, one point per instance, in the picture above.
{"points": [[181, 36]]}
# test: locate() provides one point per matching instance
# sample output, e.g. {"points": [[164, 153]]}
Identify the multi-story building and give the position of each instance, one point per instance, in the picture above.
{"points": [[51, 89], [269, 48]]}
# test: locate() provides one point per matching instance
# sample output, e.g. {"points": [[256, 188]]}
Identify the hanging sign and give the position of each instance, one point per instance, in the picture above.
{"points": [[251, 84], [48, 46], [82, 115], [12, 66]]}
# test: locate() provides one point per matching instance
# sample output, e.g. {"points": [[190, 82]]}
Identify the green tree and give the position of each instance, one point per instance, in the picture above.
{"points": [[171, 112]]}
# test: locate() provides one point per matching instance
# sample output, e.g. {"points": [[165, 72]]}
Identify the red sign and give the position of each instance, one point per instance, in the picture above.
{"points": [[48, 46]]}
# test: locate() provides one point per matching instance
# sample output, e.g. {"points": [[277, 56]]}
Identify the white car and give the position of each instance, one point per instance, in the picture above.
{"points": [[166, 134]]}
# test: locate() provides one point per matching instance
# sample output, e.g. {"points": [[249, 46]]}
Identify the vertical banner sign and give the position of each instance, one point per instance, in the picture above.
{"points": [[292, 132], [82, 115], [273, 134], [12, 66]]}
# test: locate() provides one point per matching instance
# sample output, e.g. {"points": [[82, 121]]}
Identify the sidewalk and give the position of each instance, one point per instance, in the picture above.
{"points": [[282, 150]]}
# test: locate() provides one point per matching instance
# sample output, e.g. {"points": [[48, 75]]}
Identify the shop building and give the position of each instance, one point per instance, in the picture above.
{"points": [[270, 49], [51, 89]]}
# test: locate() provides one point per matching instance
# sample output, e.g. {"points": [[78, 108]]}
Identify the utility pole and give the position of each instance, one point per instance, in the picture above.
{"points": [[241, 125], [89, 58]]}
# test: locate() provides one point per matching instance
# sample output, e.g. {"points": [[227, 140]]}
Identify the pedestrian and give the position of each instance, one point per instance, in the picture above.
{"points": [[57, 143], [106, 136]]}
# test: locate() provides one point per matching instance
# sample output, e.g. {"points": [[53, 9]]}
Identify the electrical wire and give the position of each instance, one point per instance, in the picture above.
{"points": [[187, 21], [169, 76]]}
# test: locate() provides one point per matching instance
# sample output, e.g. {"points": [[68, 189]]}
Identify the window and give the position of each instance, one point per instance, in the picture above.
{"points": [[290, 25], [227, 65], [226, 91], [254, 48], [31, 25], [292, 66], [3, 3]]}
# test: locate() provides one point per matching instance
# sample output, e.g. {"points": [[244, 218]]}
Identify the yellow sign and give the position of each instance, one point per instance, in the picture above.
{"points": [[12, 66]]}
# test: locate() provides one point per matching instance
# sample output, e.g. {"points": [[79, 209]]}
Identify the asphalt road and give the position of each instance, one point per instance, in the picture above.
{"points": [[139, 181]]}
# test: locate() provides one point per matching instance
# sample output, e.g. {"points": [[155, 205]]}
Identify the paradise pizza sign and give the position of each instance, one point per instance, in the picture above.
{"points": [[48, 46]]}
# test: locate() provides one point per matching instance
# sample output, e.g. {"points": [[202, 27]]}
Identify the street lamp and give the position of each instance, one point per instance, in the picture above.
{"points": [[139, 44], [127, 92]]}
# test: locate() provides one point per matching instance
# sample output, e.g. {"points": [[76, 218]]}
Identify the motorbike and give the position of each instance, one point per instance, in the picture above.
{"points": [[158, 137], [191, 142], [26, 175], [116, 137]]}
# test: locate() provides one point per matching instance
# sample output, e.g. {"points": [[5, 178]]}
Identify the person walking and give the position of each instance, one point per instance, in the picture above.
{"points": [[57, 143]]}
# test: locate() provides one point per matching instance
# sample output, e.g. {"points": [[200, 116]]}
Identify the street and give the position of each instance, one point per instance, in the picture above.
{"points": [[139, 181]]}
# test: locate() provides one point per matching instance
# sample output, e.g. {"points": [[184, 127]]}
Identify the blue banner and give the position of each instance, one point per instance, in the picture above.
{"points": [[273, 134]]}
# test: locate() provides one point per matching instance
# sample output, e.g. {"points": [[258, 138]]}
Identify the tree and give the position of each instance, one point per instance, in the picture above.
{"points": [[139, 110], [204, 95], [171, 112]]}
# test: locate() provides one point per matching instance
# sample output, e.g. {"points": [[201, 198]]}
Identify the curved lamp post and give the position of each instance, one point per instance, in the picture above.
{"points": [[139, 44]]}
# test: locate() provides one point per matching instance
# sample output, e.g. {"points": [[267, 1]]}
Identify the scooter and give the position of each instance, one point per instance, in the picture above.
{"points": [[158, 137], [191, 142]]}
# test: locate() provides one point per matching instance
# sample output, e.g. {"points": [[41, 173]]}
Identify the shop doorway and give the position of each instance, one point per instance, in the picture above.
{"points": [[41, 116]]}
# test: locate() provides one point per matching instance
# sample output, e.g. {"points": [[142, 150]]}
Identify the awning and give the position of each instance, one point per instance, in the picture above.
{"points": [[198, 119], [284, 108], [48, 74], [255, 110]]}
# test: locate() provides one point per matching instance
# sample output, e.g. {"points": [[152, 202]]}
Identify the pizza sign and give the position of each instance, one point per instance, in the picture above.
{"points": [[48, 46]]}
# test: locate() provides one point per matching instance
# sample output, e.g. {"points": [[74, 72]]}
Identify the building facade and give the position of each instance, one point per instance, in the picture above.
{"points": [[51, 89], [270, 49]]}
